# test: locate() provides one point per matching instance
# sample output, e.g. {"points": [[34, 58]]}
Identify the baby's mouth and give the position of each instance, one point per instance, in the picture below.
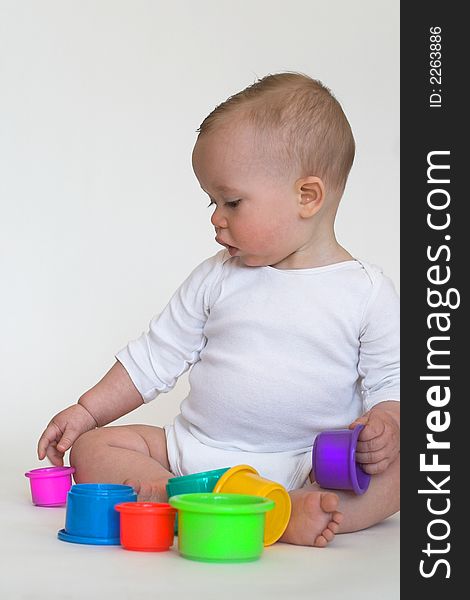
{"points": [[231, 249]]}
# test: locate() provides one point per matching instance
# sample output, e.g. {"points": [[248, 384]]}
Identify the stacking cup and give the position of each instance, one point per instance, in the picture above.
{"points": [[90, 516], [49, 485], [244, 479], [146, 526], [221, 527], [334, 463], [203, 482]]}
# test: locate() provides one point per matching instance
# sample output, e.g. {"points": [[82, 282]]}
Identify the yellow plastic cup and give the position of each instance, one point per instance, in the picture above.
{"points": [[244, 479]]}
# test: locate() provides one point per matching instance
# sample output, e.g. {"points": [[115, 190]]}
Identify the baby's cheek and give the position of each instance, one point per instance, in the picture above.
{"points": [[259, 239], [267, 240], [275, 231]]}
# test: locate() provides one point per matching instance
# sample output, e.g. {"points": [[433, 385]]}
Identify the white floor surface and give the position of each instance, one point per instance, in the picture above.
{"points": [[35, 565]]}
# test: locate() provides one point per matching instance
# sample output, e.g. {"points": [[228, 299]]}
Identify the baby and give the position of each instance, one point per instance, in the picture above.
{"points": [[285, 332]]}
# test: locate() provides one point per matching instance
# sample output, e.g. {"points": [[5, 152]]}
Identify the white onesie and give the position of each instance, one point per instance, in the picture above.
{"points": [[277, 356]]}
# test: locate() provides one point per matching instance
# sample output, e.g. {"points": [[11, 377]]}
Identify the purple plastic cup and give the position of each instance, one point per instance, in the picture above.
{"points": [[334, 463], [49, 485]]}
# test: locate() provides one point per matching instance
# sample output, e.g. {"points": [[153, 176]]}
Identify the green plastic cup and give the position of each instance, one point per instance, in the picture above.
{"points": [[221, 527]]}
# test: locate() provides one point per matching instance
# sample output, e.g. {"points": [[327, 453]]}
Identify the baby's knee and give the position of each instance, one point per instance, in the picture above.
{"points": [[85, 447]]}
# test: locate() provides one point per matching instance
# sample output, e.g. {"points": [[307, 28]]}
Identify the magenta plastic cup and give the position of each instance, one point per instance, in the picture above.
{"points": [[334, 463], [49, 485]]}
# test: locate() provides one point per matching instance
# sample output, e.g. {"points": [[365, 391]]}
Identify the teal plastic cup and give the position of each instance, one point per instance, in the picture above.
{"points": [[195, 483], [203, 482]]}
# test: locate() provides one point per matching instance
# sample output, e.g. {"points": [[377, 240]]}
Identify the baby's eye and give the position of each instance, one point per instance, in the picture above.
{"points": [[230, 204], [233, 203]]}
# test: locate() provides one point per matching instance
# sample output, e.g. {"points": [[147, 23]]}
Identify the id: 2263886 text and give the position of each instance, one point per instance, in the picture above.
{"points": [[435, 67]]}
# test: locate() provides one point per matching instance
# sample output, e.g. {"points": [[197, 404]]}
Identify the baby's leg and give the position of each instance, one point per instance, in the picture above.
{"points": [[315, 512], [133, 454]]}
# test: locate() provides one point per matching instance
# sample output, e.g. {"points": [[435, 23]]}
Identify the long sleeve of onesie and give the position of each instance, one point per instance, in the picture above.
{"points": [[379, 351], [175, 338]]}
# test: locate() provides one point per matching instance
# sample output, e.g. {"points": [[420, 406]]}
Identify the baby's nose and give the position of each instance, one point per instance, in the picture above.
{"points": [[218, 220]]}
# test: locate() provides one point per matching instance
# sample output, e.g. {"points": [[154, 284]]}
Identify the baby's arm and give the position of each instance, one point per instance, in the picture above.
{"points": [[112, 397], [154, 361], [379, 442], [379, 367]]}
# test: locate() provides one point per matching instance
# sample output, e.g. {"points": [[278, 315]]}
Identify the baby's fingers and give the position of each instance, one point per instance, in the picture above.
{"points": [[377, 456], [373, 445], [67, 439], [50, 435], [375, 468], [359, 421], [54, 442], [372, 427], [56, 457]]}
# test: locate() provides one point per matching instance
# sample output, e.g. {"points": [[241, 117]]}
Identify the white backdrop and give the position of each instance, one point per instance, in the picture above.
{"points": [[101, 216]]}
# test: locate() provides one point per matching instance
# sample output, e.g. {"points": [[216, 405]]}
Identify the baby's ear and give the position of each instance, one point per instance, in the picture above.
{"points": [[311, 191]]}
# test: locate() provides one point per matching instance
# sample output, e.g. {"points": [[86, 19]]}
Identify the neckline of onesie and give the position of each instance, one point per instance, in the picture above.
{"points": [[345, 264]]}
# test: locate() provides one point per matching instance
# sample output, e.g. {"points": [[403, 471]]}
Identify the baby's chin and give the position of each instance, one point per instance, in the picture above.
{"points": [[253, 261]]}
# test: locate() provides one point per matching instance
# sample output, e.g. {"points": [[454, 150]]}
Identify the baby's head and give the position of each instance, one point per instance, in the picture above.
{"points": [[281, 150], [297, 122]]}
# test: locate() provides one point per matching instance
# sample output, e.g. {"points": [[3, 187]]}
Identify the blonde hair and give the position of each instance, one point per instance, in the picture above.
{"points": [[302, 114]]}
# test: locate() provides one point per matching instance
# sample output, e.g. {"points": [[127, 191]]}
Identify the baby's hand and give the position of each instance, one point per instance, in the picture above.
{"points": [[62, 432], [379, 441]]}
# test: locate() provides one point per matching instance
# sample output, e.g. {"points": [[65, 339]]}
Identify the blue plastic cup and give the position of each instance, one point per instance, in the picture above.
{"points": [[90, 516], [203, 482]]}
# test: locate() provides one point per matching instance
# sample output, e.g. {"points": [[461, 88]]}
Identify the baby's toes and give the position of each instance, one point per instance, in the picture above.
{"points": [[146, 491], [329, 502], [337, 517], [157, 493], [333, 527], [328, 534], [135, 485], [320, 541]]}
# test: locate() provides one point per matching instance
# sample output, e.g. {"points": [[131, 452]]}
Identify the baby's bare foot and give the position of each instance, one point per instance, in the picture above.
{"points": [[314, 519], [149, 491]]}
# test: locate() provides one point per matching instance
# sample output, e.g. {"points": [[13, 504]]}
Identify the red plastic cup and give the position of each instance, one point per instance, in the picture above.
{"points": [[146, 526]]}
